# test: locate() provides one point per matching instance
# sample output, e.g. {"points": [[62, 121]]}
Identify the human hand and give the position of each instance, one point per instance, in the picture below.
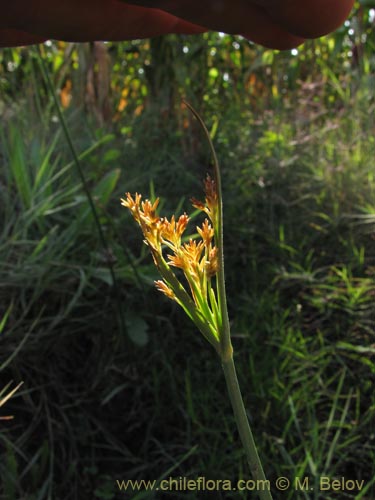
{"points": [[280, 24]]}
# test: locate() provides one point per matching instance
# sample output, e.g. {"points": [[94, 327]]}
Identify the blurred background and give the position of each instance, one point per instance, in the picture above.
{"points": [[117, 383]]}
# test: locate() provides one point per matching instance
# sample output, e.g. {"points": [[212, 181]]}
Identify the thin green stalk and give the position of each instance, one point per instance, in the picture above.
{"points": [[226, 349], [226, 345], [262, 484], [85, 187]]}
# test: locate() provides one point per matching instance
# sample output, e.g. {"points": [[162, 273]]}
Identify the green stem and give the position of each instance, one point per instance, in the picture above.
{"points": [[263, 486], [225, 343], [85, 186], [226, 350]]}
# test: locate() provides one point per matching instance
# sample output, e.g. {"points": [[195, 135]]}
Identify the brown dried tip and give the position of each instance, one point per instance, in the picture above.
{"points": [[197, 204], [210, 188]]}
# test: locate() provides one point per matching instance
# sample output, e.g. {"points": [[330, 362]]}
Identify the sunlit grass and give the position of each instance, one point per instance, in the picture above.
{"points": [[300, 213]]}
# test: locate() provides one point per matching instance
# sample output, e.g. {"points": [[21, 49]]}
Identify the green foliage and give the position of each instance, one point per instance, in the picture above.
{"points": [[295, 136]]}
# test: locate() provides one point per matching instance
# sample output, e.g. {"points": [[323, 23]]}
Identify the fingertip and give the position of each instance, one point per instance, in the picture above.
{"points": [[186, 28], [275, 39], [17, 38], [311, 18]]}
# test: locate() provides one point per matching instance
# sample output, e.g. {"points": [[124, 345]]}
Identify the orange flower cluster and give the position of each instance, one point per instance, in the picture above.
{"points": [[197, 258]]}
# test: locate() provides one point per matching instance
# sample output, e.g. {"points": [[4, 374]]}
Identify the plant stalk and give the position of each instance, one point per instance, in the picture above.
{"points": [[262, 484], [103, 241], [226, 349]]}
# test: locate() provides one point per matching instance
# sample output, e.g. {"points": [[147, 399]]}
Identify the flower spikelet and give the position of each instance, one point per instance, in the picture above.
{"points": [[172, 231], [206, 232], [149, 211], [179, 261], [197, 259], [164, 288], [212, 263], [132, 204], [211, 205], [144, 212]]}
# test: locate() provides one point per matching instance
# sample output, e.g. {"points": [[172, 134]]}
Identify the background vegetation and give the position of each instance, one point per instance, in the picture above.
{"points": [[117, 383]]}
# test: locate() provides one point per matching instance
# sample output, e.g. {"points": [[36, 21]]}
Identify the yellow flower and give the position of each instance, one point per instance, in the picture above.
{"points": [[164, 288], [172, 231], [179, 261], [144, 212], [132, 204], [149, 211], [198, 259], [193, 251], [206, 232]]}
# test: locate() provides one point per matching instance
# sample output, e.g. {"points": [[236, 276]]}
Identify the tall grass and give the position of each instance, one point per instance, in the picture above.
{"points": [[299, 221]]}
